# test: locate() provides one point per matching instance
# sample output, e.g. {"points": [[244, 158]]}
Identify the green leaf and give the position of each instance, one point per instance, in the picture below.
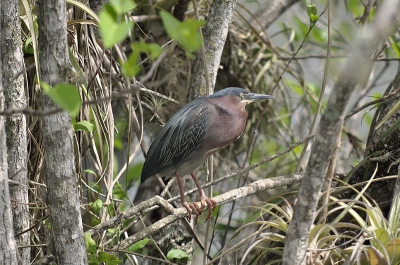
{"points": [[91, 245], [110, 209], [112, 30], [311, 9], [170, 24], [90, 171], [130, 67], [65, 96], [96, 205], [134, 172], [119, 192], [300, 34], [123, 6], [93, 260], [152, 48], [177, 254], [191, 39], [186, 33], [314, 18], [312, 13], [109, 259], [395, 46], [28, 48], [138, 245], [382, 236], [84, 126]]}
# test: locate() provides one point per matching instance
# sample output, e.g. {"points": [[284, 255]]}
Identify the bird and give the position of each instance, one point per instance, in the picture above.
{"points": [[198, 130]]}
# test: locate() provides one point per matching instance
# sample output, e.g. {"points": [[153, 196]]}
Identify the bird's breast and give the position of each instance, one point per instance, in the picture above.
{"points": [[225, 127]]}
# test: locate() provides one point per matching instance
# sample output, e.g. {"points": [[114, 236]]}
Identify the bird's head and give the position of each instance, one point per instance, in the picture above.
{"points": [[244, 96]]}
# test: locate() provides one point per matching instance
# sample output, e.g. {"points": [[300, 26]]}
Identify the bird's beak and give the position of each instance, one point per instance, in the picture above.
{"points": [[250, 97]]}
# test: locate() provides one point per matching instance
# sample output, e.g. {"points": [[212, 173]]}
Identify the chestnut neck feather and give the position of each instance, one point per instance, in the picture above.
{"points": [[228, 124]]}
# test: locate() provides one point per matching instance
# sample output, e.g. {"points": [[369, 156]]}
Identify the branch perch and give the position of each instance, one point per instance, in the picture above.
{"points": [[179, 213]]}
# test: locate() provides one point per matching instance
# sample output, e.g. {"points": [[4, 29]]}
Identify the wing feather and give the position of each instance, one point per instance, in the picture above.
{"points": [[180, 136]]}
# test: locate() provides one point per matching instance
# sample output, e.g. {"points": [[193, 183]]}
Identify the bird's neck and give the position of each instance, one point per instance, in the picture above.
{"points": [[230, 106]]}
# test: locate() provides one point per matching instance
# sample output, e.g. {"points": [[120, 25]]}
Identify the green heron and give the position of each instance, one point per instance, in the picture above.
{"points": [[196, 131]]}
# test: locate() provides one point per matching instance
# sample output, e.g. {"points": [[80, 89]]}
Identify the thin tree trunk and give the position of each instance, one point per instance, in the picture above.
{"points": [[8, 247], [208, 58], [62, 185], [13, 70]]}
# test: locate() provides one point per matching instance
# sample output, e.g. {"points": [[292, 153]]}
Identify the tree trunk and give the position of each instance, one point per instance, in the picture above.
{"points": [[13, 70], [208, 58], [62, 185], [8, 247]]}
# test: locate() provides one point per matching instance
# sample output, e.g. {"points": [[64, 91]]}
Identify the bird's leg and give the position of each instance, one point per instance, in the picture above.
{"points": [[190, 207], [203, 198]]}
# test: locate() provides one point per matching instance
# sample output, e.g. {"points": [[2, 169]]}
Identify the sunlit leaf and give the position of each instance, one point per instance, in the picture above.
{"points": [[186, 33], [138, 245], [66, 96], [96, 205], [90, 243], [109, 259], [84, 126], [113, 30], [177, 254]]}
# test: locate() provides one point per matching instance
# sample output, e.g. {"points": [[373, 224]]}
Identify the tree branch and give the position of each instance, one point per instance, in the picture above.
{"points": [[175, 214]]}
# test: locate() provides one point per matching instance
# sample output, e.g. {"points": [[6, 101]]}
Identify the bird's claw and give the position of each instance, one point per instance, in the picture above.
{"points": [[193, 208], [211, 206]]}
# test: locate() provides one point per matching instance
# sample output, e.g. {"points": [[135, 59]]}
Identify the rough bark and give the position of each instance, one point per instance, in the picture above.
{"points": [[62, 184], [8, 248], [16, 130], [329, 131], [206, 64]]}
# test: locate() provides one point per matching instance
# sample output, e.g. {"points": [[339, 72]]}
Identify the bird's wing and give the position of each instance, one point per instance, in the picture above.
{"points": [[182, 134]]}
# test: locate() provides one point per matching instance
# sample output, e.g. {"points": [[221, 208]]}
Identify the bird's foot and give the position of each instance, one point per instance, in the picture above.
{"points": [[210, 203], [192, 208]]}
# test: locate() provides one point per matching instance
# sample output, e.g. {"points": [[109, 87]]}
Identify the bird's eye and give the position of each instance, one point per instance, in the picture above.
{"points": [[241, 95]]}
